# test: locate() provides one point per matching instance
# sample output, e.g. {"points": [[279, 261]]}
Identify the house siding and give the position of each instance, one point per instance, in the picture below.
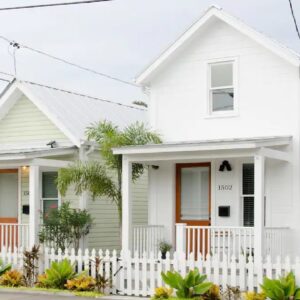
{"points": [[26, 124], [105, 232], [268, 97]]}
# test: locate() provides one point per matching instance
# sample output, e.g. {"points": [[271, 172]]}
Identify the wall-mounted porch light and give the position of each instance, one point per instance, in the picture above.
{"points": [[225, 165]]}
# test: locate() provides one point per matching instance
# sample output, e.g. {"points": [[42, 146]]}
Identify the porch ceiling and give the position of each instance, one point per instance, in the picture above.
{"points": [[236, 147]]}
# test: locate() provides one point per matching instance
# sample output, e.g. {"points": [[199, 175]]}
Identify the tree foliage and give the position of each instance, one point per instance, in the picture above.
{"points": [[65, 227], [97, 178]]}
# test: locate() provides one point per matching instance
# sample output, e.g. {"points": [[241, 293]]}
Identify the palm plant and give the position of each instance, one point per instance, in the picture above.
{"points": [[96, 177]]}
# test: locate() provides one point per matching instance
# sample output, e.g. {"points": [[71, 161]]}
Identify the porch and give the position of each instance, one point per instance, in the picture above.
{"points": [[27, 192], [200, 206]]}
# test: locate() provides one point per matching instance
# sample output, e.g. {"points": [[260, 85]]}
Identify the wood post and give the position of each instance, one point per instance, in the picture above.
{"points": [[259, 194], [181, 238], [126, 204], [34, 204]]}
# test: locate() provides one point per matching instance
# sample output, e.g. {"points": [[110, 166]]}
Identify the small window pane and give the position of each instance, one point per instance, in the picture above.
{"points": [[49, 205], [221, 75], [49, 185], [222, 99], [195, 193]]}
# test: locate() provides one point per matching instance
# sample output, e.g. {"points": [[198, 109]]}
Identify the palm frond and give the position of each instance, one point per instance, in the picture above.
{"points": [[87, 176]]}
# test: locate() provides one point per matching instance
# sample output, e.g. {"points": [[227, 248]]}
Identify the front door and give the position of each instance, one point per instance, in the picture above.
{"points": [[193, 204]]}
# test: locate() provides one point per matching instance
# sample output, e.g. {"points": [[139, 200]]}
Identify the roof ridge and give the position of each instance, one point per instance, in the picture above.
{"points": [[83, 95]]}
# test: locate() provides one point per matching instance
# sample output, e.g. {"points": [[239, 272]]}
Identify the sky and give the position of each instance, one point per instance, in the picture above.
{"points": [[119, 38]]}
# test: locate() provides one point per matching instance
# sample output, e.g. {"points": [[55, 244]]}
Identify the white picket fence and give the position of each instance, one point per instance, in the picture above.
{"points": [[138, 276]]}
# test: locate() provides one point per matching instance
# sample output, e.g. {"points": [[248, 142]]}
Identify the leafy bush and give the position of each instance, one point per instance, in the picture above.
{"points": [[190, 286], [163, 293], [58, 275], [254, 296], [283, 288], [12, 278], [213, 293], [30, 267], [81, 283], [4, 268], [65, 226], [231, 293]]}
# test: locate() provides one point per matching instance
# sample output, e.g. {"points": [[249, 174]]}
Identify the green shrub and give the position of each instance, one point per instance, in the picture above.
{"points": [[12, 278], [4, 268], [254, 296], [162, 293], [212, 294], [283, 288], [58, 275], [81, 283], [190, 286]]}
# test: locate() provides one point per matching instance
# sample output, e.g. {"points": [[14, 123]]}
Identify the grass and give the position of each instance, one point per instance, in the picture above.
{"points": [[91, 294]]}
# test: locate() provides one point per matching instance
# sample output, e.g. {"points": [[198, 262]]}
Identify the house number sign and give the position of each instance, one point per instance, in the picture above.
{"points": [[225, 187]]}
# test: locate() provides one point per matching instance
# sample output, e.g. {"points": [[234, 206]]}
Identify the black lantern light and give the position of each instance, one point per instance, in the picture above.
{"points": [[225, 166]]}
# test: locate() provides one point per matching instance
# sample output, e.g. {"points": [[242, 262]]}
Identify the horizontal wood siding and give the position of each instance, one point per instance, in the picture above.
{"points": [[105, 232], [25, 123]]}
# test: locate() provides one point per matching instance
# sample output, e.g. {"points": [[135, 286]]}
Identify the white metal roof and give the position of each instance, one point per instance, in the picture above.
{"points": [[70, 112], [206, 145], [217, 12]]}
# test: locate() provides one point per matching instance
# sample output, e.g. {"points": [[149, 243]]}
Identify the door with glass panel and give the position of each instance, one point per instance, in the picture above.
{"points": [[193, 205]]}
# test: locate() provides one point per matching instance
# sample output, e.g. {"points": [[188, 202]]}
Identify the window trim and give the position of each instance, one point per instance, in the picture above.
{"points": [[59, 201], [227, 113]]}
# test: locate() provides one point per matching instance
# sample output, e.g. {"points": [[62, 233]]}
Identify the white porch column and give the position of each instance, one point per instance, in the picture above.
{"points": [[126, 204], [259, 194], [34, 204], [180, 238]]}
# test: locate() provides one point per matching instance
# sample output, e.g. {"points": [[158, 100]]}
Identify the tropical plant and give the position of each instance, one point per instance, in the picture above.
{"points": [[30, 265], [65, 226], [101, 281], [12, 278], [164, 247], [213, 293], [162, 292], [192, 285], [57, 275], [4, 268], [231, 293], [283, 288], [94, 177], [81, 283], [254, 296]]}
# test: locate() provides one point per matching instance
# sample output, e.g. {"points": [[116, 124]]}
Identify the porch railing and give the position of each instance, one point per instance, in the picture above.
{"points": [[14, 235], [146, 238], [217, 240], [276, 241]]}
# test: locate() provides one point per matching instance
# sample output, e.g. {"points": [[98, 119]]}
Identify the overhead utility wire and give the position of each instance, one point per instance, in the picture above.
{"points": [[52, 4], [294, 18], [18, 45], [72, 92]]}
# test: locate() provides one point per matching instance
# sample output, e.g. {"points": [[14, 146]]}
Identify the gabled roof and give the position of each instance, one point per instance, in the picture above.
{"points": [[72, 113], [216, 12]]}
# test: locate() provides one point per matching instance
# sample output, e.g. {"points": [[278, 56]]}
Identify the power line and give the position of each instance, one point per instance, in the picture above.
{"points": [[18, 45], [294, 18], [52, 4], [69, 92]]}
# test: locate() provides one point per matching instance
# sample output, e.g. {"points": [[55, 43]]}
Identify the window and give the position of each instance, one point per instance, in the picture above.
{"points": [[248, 194], [49, 192], [221, 89]]}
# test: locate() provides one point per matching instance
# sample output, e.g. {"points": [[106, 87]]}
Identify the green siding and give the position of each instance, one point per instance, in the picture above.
{"points": [[25, 123], [105, 233]]}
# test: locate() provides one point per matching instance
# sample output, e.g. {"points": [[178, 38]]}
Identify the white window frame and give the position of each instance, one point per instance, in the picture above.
{"points": [[225, 113], [41, 193]]}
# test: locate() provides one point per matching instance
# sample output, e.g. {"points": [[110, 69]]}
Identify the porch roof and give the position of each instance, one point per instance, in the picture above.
{"points": [[28, 153], [206, 145]]}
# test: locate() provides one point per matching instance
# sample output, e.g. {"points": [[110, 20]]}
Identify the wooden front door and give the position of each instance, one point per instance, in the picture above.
{"points": [[193, 203]]}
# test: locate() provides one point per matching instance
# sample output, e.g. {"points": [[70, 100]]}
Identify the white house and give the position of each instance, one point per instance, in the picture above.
{"points": [[225, 99], [41, 130]]}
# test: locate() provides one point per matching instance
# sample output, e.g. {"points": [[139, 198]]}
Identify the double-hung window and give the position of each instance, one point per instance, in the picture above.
{"points": [[221, 87], [49, 193]]}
